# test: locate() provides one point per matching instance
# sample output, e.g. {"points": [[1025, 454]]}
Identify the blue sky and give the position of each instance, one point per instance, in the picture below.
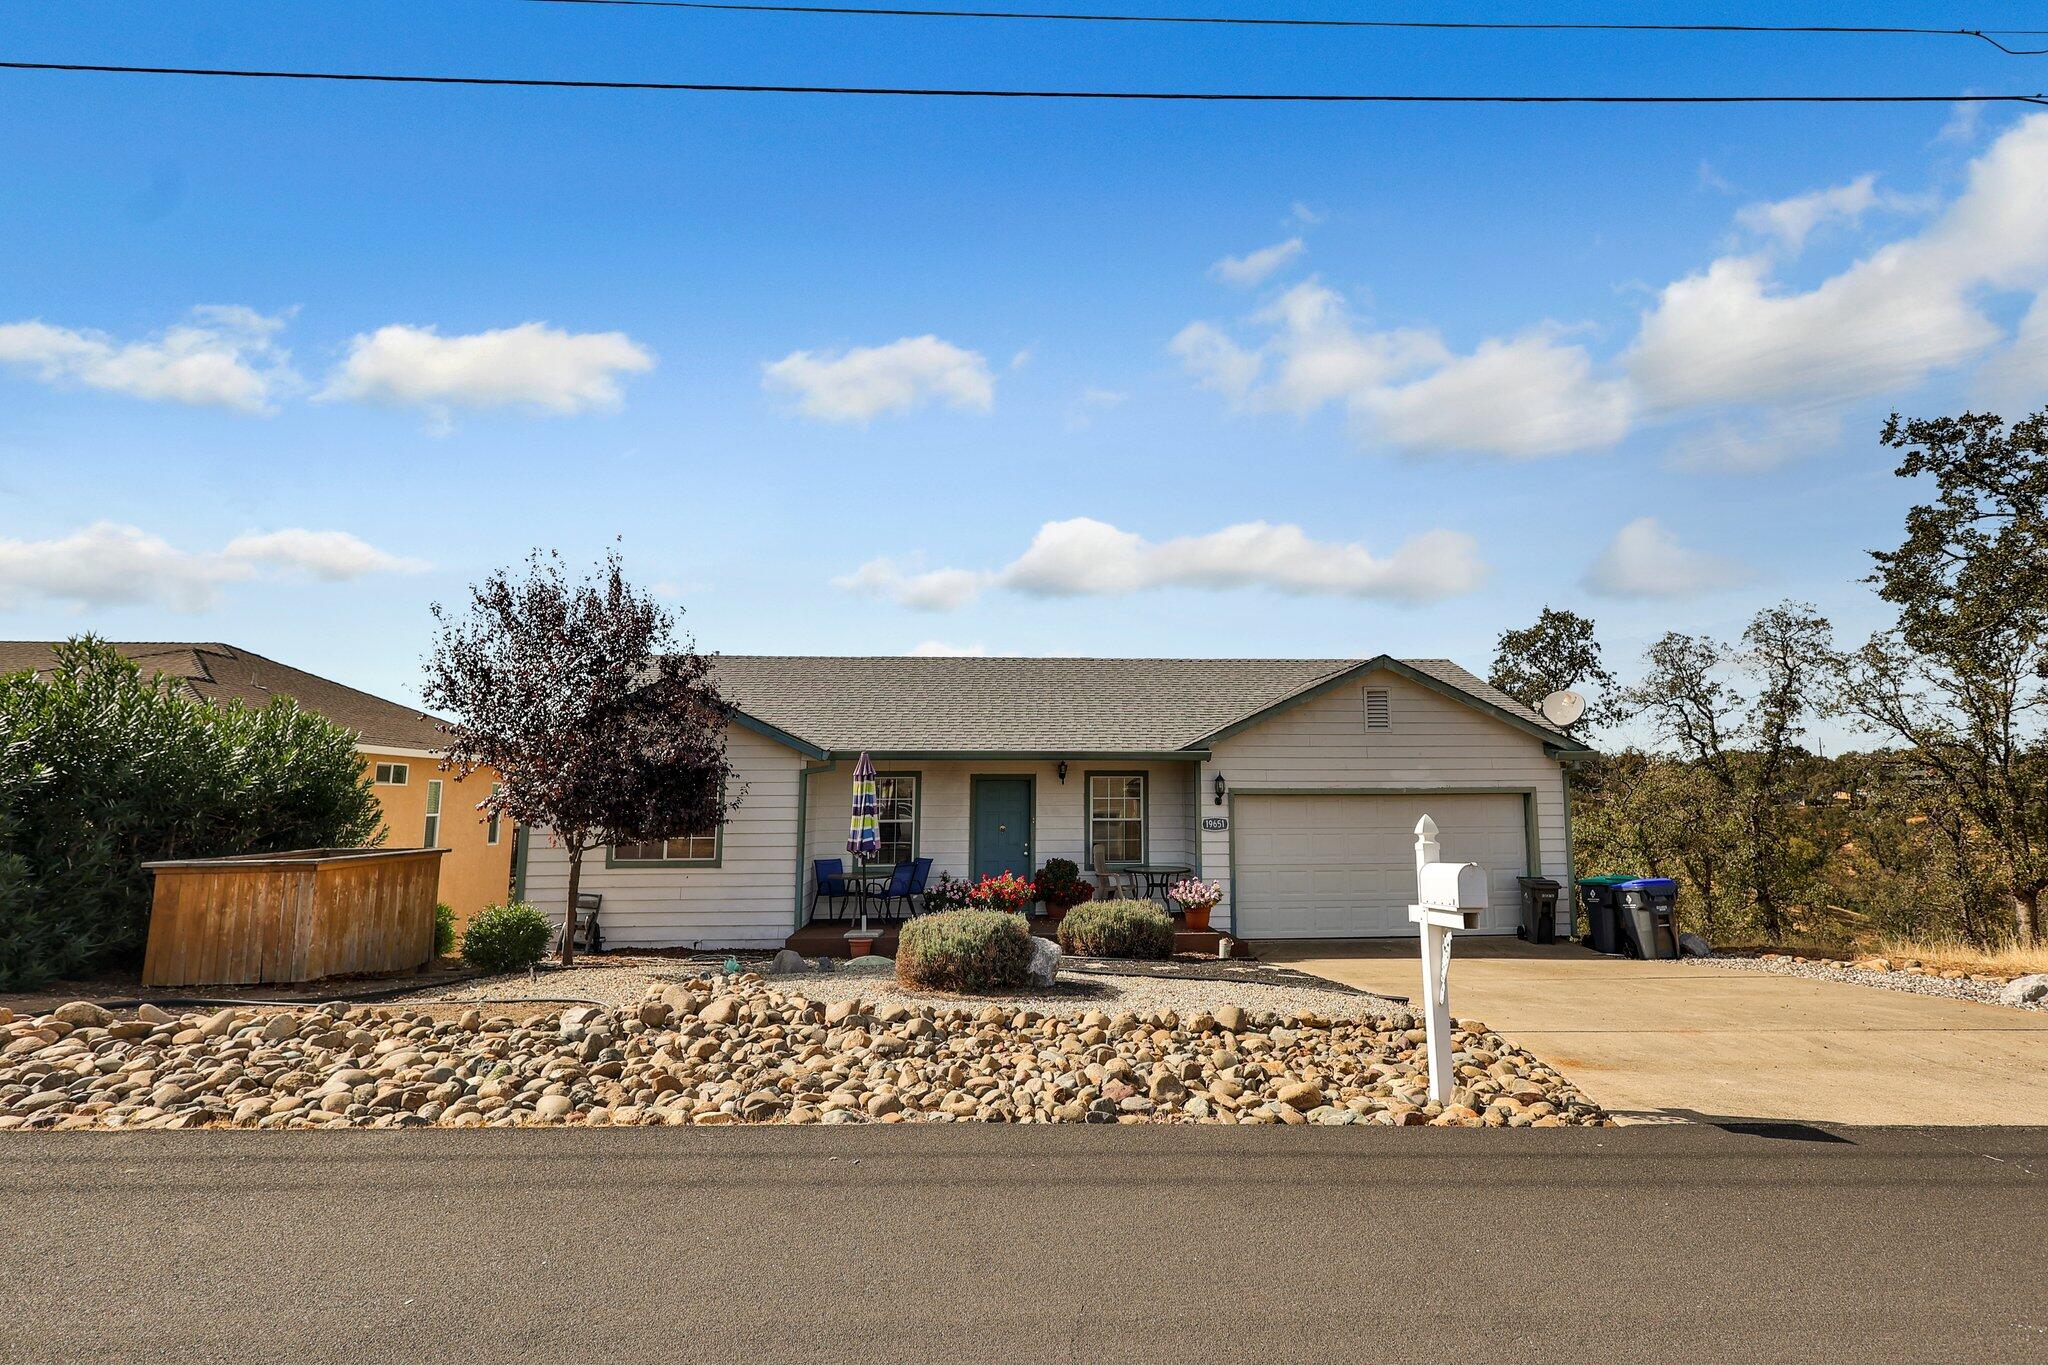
{"points": [[1011, 369]]}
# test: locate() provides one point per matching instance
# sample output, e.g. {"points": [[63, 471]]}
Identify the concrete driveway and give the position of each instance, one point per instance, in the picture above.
{"points": [[1651, 1038]]}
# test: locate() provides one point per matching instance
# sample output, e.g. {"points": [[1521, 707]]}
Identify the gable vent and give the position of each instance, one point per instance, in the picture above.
{"points": [[1377, 714]]}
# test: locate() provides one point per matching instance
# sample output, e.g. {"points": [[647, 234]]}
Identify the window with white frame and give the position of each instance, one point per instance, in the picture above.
{"points": [[433, 835], [689, 848], [1116, 816], [493, 824], [896, 817], [391, 774]]}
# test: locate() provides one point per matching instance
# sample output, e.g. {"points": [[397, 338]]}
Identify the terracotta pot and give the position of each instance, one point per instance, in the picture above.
{"points": [[860, 945], [1198, 918]]}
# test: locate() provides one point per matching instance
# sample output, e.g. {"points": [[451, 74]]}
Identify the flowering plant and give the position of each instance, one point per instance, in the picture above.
{"points": [[1192, 893], [1008, 892], [950, 894]]}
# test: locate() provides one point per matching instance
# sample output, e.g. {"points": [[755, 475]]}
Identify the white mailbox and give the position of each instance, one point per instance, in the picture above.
{"points": [[1452, 886]]}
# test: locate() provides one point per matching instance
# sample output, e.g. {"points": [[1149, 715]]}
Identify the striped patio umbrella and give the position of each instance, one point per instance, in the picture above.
{"points": [[864, 838]]}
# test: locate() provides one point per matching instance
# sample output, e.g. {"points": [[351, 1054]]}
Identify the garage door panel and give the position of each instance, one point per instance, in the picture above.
{"points": [[1342, 866]]}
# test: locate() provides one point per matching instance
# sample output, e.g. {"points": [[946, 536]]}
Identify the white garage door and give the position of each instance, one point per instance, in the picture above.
{"points": [[1344, 866]]}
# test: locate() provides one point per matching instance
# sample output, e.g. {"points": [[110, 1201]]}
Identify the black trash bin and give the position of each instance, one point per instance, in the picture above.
{"points": [[1596, 894], [1647, 911], [1539, 909]]}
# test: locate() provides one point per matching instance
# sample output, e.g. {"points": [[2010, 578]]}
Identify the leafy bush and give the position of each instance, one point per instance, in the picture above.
{"points": [[102, 770], [506, 938], [444, 929], [1117, 929], [964, 950], [1060, 886], [1008, 892]]}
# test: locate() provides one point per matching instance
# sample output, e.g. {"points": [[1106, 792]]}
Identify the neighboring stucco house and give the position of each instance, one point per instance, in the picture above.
{"points": [[1294, 782], [422, 806]]}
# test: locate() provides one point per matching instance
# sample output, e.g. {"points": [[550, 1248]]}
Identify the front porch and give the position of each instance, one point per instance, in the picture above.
{"points": [[827, 938]]}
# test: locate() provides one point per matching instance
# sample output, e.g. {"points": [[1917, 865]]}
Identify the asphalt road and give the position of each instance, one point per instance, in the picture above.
{"points": [[1025, 1244]]}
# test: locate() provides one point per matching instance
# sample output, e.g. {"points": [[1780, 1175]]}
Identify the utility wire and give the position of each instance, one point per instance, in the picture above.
{"points": [[1990, 36], [943, 92]]}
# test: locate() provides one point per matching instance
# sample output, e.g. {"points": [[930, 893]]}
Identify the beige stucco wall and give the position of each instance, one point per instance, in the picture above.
{"points": [[476, 872]]}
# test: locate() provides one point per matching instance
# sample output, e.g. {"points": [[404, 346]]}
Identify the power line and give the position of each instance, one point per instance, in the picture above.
{"points": [[944, 92], [1990, 36]]}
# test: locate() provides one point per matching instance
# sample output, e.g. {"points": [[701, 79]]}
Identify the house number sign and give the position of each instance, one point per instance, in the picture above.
{"points": [[1216, 822]]}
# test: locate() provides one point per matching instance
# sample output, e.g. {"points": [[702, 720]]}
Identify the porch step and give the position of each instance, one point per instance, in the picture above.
{"points": [[827, 938]]}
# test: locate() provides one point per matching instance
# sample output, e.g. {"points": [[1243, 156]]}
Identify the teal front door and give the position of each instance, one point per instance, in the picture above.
{"points": [[1001, 825]]}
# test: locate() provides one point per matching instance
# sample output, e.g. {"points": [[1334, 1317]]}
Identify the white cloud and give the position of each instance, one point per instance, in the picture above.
{"points": [[861, 384], [1790, 220], [110, 564], [1729, 334], [934, 590], [1083, 557], [2014, 380], [335, 556], [1255, 266], [1766, 367], [1645, 560], [531, 365], [1962, 123], [222, 356], [1769, 441], [1092, 401], [1523, 398]]}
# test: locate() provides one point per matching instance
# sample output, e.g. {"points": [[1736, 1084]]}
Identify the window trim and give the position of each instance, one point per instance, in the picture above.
{"points": [[916, 777], [431, 835], [612, 858], [1144, 777], [494, 823], [400, 773]]}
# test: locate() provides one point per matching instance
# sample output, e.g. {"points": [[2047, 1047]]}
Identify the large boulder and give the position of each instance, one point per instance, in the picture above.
{"points": [[2025, 990], [788, 962], [1044, 967]]}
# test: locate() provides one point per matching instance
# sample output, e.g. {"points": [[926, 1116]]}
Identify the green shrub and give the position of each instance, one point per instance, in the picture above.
{"points": [[506, 938], [964, 950], [444, 929], [1117, 929], [103, 769]]}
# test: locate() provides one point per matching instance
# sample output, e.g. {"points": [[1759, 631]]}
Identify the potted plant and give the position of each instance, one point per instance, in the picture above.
{"points": [[1060, 886], [1196, 898], [1008, 892]]}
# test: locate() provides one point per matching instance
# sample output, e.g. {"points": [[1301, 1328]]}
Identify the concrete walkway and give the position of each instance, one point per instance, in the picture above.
{"points": [[1652, 1038]]}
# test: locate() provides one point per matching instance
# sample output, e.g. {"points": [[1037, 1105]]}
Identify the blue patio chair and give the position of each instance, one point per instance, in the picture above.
{"points": [[898, 890], [829, 881], [913, 898]]}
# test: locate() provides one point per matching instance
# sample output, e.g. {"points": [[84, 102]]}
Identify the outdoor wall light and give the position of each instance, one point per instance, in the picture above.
{"points": [[1063, 772], [1219, 789]]}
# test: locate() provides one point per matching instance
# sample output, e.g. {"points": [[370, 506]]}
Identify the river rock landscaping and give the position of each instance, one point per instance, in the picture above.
{"points": [[745, 1049], [1908, 975]]}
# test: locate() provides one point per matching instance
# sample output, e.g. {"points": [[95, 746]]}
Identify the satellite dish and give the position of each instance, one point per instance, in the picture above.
{"points": [[1562, 709]]}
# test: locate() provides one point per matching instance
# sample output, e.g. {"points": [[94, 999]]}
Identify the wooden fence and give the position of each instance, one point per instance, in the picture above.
{"points": [[297, 916]]}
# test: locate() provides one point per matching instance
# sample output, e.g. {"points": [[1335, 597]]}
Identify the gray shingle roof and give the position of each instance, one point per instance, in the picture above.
{"points": [[913, 704], [212, 671]]}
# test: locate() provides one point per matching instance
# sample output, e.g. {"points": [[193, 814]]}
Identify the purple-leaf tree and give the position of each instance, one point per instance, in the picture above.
{"points": [[603, 729]]}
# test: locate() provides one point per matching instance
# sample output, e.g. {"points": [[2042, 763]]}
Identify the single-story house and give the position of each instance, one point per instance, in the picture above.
{"points": [[422, 806], [1296, 783]]}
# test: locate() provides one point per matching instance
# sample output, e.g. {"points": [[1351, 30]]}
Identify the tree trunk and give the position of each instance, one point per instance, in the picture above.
{"points": [[2026, 916], [569, 916]]}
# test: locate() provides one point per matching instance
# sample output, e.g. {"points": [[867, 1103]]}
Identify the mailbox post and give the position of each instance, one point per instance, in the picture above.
{"points": [[1450, 897]]}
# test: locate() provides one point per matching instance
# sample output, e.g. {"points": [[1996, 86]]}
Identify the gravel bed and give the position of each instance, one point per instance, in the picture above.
{"points": [[618, 981], [1983, 992]]}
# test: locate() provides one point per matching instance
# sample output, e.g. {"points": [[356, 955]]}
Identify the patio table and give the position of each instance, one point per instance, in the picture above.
{"points": [[1159, 876], [865, 885]]}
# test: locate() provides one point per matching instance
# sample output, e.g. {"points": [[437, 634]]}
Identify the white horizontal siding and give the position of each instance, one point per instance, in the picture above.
{"points": [[1433, 741], [747, 901]]}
